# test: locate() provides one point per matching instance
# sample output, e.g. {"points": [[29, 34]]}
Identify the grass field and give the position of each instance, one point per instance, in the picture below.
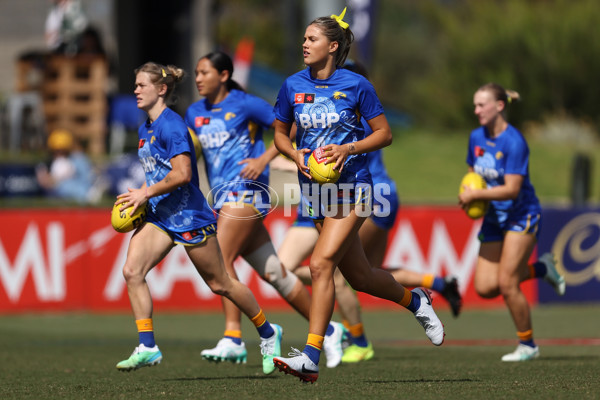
{"points": [[73, 356]]}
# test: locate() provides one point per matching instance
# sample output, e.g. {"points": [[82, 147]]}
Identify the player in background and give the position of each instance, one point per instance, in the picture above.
{"points": [[326, 103], [177, 213], [498, 152], [229, 123]]}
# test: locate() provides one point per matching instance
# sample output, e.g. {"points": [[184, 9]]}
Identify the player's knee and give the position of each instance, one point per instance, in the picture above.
{"points": [[217, 288], [507, 287], [486, 291], [320, 268], [265, 261], [282, 280], [132, 275]]}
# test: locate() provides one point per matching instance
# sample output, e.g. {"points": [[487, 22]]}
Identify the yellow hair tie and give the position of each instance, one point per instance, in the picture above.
{"points": [[340, 18], [164, 74]]}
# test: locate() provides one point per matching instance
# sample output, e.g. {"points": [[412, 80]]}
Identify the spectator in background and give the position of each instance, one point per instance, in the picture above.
{"points": [[64, 24], [70, 175], [90, 43]]}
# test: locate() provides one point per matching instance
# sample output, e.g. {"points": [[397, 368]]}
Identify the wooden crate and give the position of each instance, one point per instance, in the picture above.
{"points": [[74, 92]]}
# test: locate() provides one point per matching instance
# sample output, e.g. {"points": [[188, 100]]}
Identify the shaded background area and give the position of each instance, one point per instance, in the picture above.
{"points": [[425, 58]]}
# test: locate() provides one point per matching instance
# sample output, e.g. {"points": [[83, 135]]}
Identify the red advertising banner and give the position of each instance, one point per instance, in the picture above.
{"points": [[61, 260]]}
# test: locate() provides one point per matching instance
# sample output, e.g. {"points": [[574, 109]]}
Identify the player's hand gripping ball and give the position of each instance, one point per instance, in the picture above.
{"points": [[121, 220], [322, 173], [477, 208]]}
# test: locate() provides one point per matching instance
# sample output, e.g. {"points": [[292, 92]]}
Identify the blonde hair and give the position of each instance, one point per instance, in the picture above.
{"points": [[501, 94], [168, 75]]}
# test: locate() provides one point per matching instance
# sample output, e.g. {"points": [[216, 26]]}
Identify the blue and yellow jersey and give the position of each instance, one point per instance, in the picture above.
{"points": [[229, 132], [385, 196], [493, 158], [185, 208], [329, 111]]}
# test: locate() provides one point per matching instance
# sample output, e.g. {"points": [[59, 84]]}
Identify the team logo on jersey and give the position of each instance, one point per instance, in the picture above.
{"points": [[338, 95], [141, 143], [201, 121], [229, 116], [499, 155], [479, 151], [152, 139], [302, 98]]}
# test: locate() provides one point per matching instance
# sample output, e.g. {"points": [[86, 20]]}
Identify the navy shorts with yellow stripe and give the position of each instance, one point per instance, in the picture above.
{"points": [[320, 201], [494, 231], [192, 237]]}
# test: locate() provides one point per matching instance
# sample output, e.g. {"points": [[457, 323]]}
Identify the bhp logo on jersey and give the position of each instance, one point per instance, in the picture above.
{"points": [[302, 98], [322, 120], [213, 139]]}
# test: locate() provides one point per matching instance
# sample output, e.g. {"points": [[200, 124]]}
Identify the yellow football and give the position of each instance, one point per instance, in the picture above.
{"points": [[478, 208], [121, 220], [322, 173]]}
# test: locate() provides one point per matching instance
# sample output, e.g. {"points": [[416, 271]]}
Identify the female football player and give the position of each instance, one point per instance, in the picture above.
{"points": [[326, 102], [498, 152], [177, 213], [229, 123]]}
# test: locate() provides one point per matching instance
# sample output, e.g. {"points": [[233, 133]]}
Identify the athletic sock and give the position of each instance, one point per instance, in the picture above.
{"points": [[358, 335], [146, 332], [410, 301], [234, 335], [439, 284], [264, 328], [537, 270], [526, 338], [313, 347]]}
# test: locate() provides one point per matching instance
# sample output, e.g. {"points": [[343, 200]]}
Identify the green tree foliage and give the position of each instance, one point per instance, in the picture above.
{"points": [[432, 56]]}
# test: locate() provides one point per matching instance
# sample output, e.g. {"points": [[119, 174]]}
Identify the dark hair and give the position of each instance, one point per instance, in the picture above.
{"points": [[356, 67], [222, 62], [500, 94], [335, 33], [169, 75]]}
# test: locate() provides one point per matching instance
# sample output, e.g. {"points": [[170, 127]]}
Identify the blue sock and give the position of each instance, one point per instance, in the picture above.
{"points": [[147, 338], [360, 341], [265, 330], [540, 269], [439, 284], [312, 353], [415, 302], [329, 330], [529, 342], [236, 340]]}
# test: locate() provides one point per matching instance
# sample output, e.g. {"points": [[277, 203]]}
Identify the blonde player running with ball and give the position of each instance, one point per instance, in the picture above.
{"points": [[177, 213]]}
